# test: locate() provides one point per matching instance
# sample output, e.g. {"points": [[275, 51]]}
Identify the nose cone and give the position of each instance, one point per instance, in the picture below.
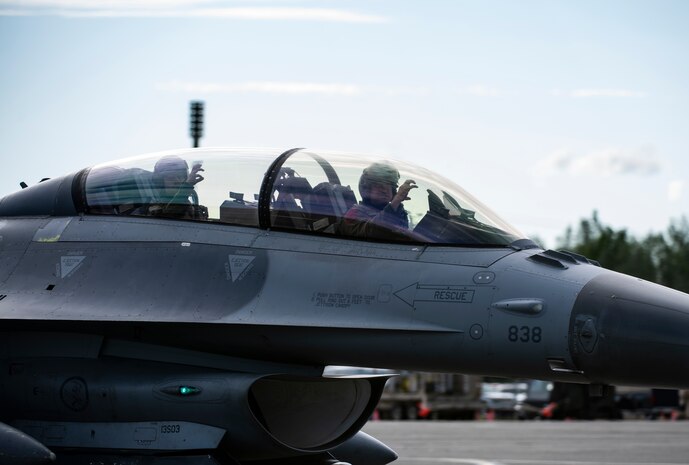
{"points": [[17, 448], [626, 331]]}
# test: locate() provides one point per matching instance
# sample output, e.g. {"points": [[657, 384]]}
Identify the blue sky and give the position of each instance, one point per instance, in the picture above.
{"points": [[545, 110]]}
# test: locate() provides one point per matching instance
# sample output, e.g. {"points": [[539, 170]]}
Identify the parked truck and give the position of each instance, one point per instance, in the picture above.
{"points": [[414, 395]]}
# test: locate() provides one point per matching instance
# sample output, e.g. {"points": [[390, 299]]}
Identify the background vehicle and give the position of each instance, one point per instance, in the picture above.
{"points": [[502, 398], [636, 403], [537, 397], [415, 395]]}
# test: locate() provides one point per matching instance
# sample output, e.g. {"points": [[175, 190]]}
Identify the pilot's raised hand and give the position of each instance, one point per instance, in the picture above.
{"points": [[194, 176], [403, 193]]}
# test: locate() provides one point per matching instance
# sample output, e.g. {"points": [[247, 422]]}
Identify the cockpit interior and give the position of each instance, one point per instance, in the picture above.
{"points": [[300, 190]]}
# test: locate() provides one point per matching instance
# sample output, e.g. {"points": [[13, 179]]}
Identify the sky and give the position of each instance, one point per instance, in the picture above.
{"points": [[544, 110]]}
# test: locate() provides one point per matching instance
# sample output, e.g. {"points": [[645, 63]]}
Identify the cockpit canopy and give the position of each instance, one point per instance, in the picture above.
{"points": [[300, 190]]}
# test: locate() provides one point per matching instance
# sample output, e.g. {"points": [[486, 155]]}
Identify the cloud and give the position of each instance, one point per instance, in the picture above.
{"points": [[109, 4], [177, 9], [397, 91], [555, 163], [266, 87], [624, 93], [607, 162], [674, 190], [591, 93], [480, 90], [290, 87]]}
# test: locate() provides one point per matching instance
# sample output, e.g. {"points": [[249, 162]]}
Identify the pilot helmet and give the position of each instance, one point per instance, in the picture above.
{"points": [[170, 165], [383, 173]]}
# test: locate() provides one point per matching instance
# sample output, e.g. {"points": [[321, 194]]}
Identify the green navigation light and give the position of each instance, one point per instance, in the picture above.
{"points": [[188, 390]]}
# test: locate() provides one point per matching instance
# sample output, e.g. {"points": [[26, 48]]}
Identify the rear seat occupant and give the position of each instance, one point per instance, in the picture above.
{"points": [[174, 186]]}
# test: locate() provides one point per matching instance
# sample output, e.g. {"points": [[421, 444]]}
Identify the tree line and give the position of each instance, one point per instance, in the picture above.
{"points": [[659, 257]]}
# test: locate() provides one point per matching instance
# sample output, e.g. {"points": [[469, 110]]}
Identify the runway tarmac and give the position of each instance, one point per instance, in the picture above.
{"points": [[535, 442]]}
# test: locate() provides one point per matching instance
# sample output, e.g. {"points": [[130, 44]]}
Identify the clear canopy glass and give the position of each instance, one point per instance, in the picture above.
{"points": [[158, 185], [307, 191]]}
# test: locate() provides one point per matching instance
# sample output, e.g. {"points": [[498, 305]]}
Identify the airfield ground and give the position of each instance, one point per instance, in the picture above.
{"points": [[536, 442]]}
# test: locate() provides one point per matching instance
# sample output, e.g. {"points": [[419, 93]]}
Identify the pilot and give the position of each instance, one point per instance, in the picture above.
{"points": [[174, 183], [380, 214]]}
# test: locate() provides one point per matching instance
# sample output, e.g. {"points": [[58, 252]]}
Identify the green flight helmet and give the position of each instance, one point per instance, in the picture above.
{"points": [[383, 173]]}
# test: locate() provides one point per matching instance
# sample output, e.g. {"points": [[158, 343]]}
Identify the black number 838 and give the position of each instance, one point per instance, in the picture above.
{"points": [[524, 334]]}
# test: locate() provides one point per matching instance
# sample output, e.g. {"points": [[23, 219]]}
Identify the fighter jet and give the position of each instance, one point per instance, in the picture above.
{"points": [[184, 307]]}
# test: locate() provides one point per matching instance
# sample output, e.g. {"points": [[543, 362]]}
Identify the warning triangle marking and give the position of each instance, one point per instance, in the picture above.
{"points": [[239, 264], [69, 264]]}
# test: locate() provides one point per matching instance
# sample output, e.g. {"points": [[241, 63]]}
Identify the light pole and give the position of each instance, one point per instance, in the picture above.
{"points": [[196, 121]]}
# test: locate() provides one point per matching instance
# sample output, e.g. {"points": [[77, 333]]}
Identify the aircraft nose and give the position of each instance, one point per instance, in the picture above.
{"points": [[626, 331]]}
